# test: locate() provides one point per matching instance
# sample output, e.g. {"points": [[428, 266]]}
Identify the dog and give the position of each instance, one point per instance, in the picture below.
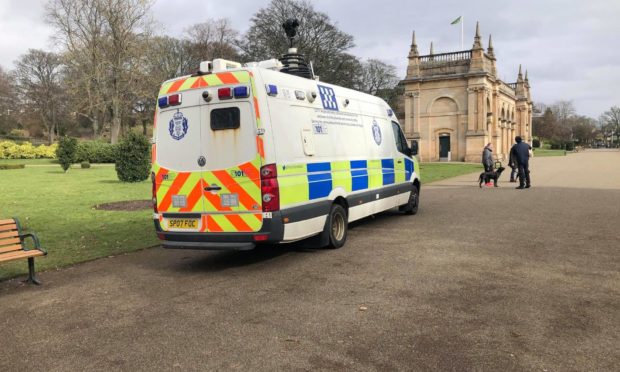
{"points": [[488, 176]]}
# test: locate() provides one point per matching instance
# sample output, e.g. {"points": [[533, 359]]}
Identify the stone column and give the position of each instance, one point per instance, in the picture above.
{"points": [[471, 109], [416, 113], [408, 114]]}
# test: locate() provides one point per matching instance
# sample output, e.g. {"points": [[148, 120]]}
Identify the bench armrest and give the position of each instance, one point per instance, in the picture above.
{"points": [[34, 238]]}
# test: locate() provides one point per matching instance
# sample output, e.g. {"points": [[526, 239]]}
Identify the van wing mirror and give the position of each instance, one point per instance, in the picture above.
{"points": [[414, 147]]}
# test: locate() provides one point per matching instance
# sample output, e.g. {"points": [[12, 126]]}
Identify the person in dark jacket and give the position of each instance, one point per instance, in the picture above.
{"points": [[512, 163], [521, 152], [487, 161]]}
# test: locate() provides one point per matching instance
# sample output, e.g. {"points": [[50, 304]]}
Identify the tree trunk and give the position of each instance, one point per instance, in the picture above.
{"points": [[116, 121]]}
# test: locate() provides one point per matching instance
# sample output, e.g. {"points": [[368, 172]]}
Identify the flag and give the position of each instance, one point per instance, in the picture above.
{"points": [[456, 21]]}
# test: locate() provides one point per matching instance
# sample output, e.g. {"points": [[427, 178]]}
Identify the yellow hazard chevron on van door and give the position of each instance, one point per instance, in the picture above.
{"points": [[195, 82], [243, 181]]}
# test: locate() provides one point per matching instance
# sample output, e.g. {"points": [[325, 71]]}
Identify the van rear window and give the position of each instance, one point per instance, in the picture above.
{"points": [[225, 118]]}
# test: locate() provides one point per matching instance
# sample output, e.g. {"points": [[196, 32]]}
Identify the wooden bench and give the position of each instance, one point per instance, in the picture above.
{"points": [[13, 246]]}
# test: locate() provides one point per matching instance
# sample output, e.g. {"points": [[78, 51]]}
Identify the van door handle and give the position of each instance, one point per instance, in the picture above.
{"points": [[213, 188], [399, 162]]}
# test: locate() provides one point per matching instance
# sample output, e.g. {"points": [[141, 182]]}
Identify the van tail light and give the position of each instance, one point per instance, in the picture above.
{"points": [[154, 192], [270, 191]]}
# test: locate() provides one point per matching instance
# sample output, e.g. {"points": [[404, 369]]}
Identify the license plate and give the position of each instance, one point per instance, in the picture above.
{"points": [[182, 223]]}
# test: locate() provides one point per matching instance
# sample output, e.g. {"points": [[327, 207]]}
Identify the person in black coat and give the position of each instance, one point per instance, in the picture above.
{"points": [[521, 153]]}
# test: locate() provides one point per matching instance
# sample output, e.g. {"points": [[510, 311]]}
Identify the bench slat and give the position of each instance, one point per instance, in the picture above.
{"points": [[10, 248], [20, 254], [11, 241], [7, 221], [10, 234], [8, 227]]}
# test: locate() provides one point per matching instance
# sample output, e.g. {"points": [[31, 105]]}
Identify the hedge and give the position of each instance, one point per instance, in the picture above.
{"points": [[12, 166], [12, 150], [96, 152], [90, 151]]}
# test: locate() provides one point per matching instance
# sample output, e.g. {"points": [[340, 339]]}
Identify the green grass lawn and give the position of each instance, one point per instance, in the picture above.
{"points": [[59, 207], [30, 161], [431, 172], [548, 152]]}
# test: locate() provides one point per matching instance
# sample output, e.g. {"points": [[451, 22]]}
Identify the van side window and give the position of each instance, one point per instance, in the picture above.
{"points": [[225, 118], [399, 137]]}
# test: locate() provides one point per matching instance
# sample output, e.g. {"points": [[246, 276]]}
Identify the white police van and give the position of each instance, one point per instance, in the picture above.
{"points": [[255, 154]]}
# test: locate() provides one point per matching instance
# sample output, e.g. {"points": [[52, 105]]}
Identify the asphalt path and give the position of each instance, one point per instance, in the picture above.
{"points": [[491, 279]]}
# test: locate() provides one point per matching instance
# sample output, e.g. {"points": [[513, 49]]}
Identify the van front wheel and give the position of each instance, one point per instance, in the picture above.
{"points": [[412, 204], [337, 225]]}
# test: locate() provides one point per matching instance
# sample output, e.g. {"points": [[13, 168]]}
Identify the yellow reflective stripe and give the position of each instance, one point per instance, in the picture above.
{"points": [[212, 80], [399, 170], [210, 179], [242, 76], [341, 175], [293, 189], [254, 223], [187, 189], [375, 174], [223, 222], [165, 87], [416, 167], [188, 84], [293, 183]]}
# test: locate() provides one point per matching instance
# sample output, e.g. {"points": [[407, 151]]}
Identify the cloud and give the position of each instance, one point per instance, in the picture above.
{"points": [[568, 47]]}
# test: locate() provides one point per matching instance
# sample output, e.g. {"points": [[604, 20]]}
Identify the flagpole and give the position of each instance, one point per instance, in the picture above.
{"points": [[462, 21]]}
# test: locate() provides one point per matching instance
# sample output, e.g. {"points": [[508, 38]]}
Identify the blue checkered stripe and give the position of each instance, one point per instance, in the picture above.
{"points": [[328, 97]]}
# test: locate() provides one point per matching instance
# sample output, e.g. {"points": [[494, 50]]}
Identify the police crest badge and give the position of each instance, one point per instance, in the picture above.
{"points": [[178, 126], [376, 132]]}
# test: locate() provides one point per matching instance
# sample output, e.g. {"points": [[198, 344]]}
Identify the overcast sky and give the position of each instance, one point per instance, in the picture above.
{"points": [[569, 47]]}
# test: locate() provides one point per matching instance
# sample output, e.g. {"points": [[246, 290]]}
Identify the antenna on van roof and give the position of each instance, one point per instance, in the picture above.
{"points": [[294, 63]]}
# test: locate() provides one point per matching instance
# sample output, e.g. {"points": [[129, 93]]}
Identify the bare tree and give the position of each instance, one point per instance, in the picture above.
{"points": [[376, 76], [213, 39], [168, 57], [80, 28], [103, 39], [38, 76], [6, 101], [318, 38], [611, 119], [563, 110]]}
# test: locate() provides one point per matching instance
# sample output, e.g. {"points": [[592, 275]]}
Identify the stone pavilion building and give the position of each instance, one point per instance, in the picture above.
{"points": [[454, 104]]}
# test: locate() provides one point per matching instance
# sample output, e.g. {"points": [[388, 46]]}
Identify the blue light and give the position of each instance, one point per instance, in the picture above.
{"points": [[162, 102], [241, 92], [272, 90]]}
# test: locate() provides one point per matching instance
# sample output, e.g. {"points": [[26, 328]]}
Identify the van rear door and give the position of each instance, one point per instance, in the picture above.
{"points": [[178, 174], [232, 195]]}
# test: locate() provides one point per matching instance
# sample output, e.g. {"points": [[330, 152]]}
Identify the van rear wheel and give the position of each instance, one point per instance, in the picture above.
{"points": [[337, 226]]}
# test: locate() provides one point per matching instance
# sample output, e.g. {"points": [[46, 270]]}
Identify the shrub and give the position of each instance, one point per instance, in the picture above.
{"points": [[12, 166], [18, 133], [25, 150], [133, 161], [536, 143], [66, 152], [96, 152], [7, 149], [85, 165]]}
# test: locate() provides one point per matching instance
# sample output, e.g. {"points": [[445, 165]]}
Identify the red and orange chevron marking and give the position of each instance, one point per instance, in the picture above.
{"points": [[247, 217]]}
